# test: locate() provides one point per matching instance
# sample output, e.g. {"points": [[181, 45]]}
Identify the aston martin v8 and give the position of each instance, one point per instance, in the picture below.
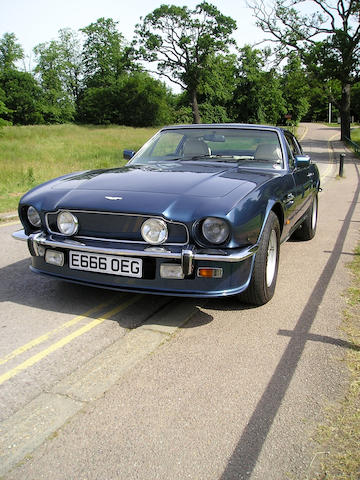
{"points": [[199, 210]]}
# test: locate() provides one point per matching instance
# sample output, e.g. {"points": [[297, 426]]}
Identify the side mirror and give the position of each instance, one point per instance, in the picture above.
{"points": [[128, 154], [302, 161]]}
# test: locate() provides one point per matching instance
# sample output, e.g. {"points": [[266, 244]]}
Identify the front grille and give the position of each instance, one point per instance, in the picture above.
{"points": [[117, 226]]}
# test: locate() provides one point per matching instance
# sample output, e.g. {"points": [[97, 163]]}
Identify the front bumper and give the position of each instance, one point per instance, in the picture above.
{"points": [[235, 263]]}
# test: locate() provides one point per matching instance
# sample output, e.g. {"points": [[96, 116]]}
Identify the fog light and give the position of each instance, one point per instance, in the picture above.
{"points": [[41, 250], [54, 258], [171, 270], [208, 272]]}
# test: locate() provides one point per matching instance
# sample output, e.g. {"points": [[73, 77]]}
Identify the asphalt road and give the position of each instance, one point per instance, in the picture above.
{"points": [[100, 385]]}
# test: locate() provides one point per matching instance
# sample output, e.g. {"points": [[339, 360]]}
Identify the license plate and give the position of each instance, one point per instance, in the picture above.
{"points": [[111, 264]]}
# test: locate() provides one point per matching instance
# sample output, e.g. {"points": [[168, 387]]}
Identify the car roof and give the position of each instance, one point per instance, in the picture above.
{"points": [[249, 126]]}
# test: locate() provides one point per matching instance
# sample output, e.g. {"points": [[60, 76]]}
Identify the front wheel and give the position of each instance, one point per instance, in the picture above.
{"points": [[263, 279], [307, 229]]}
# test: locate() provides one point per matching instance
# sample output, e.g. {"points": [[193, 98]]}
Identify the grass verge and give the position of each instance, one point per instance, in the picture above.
{"points": [[30, 155], [339, 436], [355, 135]]}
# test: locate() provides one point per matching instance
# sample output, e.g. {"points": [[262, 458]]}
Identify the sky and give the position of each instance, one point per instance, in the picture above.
{"points": [[37, 21]]}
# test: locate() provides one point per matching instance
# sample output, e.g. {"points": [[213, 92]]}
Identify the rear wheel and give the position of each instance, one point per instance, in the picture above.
{"points": [[307, 229], [263, 280]]}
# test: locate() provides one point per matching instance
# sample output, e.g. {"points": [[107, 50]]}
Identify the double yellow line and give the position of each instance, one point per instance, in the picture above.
{"points": [[64, 341]]}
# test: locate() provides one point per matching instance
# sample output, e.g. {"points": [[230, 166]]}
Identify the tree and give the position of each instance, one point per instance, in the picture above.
{"points": [[59, 71], [3, 109], [136, 100], [320, 95], [258, 96], [70, 47], [50, 68], [295, 88], [184, 42], [215, 93], [328, 40], [10, 51], [105, 55], [23, 98]]}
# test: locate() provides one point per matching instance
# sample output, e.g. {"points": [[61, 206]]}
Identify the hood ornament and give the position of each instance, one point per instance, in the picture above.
{"points": [[114, 198]]}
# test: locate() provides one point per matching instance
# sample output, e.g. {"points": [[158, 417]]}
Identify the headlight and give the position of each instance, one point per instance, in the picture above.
{"points": [[154, 231], [215, 230], [67, 223], [33, 217]]}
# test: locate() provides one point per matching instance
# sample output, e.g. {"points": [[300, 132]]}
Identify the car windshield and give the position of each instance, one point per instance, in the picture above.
{"points": [[248, 147]]}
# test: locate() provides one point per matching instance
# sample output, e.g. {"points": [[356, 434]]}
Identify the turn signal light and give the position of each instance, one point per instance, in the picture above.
{"points": [[209, 272]]}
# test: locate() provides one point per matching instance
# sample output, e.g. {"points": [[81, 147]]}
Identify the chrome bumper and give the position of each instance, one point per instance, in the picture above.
{"points": [[186, 255]]}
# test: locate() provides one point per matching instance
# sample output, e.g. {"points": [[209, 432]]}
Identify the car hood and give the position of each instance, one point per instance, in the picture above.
{"points": [[164, 189]]}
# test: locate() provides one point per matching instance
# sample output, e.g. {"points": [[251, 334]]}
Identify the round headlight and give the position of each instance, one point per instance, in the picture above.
{"points": [[215, 230], [33, 217], [67, 223], [154, 231]]}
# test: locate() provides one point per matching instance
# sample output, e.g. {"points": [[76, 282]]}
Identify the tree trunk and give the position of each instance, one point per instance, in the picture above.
{"points": [[195, 107], [345, 110]]}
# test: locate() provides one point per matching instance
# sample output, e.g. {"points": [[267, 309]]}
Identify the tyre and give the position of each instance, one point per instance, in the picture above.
{"points": [[263, 279], [307, 229]]}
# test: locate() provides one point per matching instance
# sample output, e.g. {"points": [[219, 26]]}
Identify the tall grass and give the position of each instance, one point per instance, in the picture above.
{"points": [[30, 155]]}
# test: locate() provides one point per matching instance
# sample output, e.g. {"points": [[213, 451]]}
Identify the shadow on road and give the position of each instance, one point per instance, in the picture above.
{"points": [[21, 286], [243, 460]]}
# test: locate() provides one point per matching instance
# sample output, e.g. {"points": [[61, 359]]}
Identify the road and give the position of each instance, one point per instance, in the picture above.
{"points": [[100, 385]]}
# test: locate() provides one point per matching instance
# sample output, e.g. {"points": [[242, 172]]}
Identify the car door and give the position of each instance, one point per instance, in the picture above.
{"points": [[303, 179]]}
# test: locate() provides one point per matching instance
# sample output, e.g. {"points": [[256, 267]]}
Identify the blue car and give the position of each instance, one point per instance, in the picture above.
{"points": [[198, 211]]}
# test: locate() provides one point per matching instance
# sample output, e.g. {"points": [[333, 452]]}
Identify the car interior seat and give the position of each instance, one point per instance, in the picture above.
{"points": [[194, 146], [268, 152]]}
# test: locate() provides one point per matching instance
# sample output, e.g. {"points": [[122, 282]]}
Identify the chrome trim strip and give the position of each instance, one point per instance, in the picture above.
{"points": [[20, 235], [237, 255], [118, 214]]}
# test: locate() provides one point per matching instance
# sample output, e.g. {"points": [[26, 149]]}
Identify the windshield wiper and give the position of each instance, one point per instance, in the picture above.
{"points": [[213, 157], [223, 158]]}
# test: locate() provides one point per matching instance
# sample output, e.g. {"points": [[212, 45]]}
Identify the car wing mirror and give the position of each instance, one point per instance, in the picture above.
{"points": [[128, 154], [302, 161]]}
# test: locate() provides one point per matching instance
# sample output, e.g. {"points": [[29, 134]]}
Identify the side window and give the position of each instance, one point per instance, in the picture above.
{"points": [[290, 154], [294, 148], [293, 144]]}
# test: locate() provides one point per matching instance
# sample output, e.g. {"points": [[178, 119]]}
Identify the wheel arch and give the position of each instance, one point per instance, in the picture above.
{"points": [[273, 206], [279, 212]]}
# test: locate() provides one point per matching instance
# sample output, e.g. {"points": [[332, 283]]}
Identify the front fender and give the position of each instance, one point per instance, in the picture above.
{"points": [[249, 219]]}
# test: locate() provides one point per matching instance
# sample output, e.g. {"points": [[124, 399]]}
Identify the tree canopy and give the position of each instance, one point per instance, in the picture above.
{"points": [[183, 43], [10, 51], [327, 40], [94, 75]]}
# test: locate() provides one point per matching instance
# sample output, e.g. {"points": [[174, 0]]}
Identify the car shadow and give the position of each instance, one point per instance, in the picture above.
{"points": [[20, 286]]}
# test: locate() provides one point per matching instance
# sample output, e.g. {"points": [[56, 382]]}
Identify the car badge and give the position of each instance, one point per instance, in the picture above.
{"points": [[114, 198]]}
